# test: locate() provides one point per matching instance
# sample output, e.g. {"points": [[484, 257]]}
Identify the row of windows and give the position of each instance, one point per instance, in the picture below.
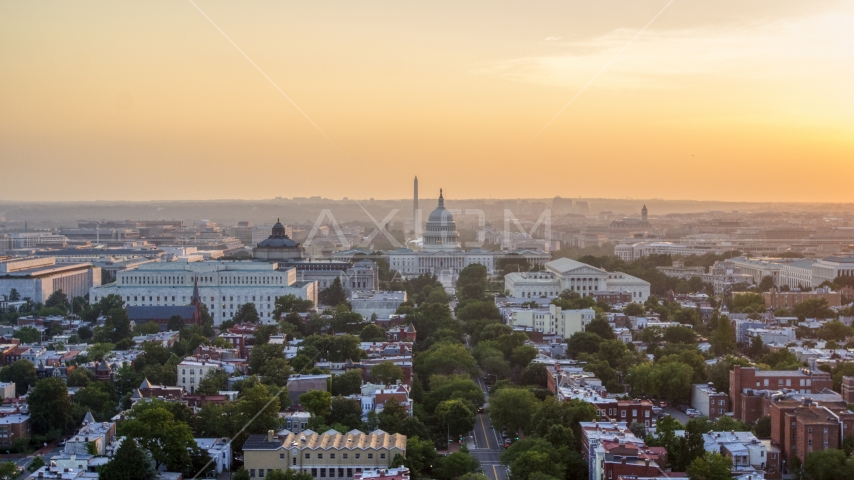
{"points": [[314, 471]]}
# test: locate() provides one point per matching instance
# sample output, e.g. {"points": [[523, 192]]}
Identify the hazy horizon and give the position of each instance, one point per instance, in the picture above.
{"points": [[723, 101]]}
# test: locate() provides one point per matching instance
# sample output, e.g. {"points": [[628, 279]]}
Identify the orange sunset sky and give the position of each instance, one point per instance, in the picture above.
{"points": [[726, 100]]}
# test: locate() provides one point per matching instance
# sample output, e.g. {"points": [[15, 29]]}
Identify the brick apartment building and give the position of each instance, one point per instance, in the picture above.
{"points": [[799, 428], [788, 300], [848, 389], [746, 385]]}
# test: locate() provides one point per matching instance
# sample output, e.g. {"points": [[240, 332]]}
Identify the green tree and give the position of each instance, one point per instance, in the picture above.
{"points": [[512, 408], [387, 373], [22, 372], [333, 295], [50, 407], [247, 313], [455, 465], [420, 455], [723, 338], [478, 310], [834, 330], [14, 296], [583, 342], [762, 429], [711, 466], [9, 471], [36, 464], [766, 284], [600, 327], [213, 382], [828, 464], [634, 310], [156, 430], [27, 335], [348, 383], [129, 463], [456, 416], [262, 354], [57, 299], [392, 416], [445, 358], [316, 402], [175, 323], [814, 308], [680, 334], [372, 333], [472, 283]]}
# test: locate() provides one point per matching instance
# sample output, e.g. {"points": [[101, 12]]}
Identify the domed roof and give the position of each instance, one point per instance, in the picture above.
{"points": [[279, 239], [440, 214]]}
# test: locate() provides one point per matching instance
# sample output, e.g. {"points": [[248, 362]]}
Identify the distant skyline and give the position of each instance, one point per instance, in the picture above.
{"points": [[731, 101]]}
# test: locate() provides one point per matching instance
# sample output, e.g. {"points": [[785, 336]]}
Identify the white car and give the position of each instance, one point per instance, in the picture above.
{"points": [[692, 413]]}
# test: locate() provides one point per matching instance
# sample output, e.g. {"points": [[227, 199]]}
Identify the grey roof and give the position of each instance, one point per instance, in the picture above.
{"points": [[259, 442], [89, 418], [281, 242], [840, 259], [802, 263], [160, 312]]}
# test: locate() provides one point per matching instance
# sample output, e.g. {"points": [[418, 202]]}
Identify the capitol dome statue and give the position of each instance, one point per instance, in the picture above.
{"points": [[440, 234]]}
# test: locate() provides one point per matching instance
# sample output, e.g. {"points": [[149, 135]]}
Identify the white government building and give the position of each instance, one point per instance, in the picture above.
{"points": [[566, 274], [442, 255], [552, 320], [223, 285]]}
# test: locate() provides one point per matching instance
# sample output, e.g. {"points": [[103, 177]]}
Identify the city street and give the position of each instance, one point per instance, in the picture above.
{"points": [[488, 445]]}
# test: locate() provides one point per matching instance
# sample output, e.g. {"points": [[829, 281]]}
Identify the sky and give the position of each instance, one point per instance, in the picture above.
{"points": [[202, 99]]}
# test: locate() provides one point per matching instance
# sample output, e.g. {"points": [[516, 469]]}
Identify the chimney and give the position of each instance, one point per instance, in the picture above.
{"points": [[271, 434]]}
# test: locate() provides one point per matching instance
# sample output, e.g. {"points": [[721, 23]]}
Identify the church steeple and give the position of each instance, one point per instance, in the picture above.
{"points": [[196, 299]]}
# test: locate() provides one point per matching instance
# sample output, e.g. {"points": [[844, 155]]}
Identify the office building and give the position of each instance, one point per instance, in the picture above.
{"points": [[38, 278], [223, 286]]}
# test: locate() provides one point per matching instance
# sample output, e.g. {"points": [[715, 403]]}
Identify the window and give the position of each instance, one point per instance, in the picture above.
{"points": [[307, 455], [809, 430], [322, 472], [382, 455], [370, 456], [623, 413], [281, 455], [358, 456], [340, 472], [345, 457], [261, 472], [320, 455], [331, 455], [294, 460], [252, 472], [314, 472]]}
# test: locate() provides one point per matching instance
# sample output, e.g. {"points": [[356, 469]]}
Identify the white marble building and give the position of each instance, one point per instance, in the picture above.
{"points": [[565, 274], [441, 254], [223, 285]]}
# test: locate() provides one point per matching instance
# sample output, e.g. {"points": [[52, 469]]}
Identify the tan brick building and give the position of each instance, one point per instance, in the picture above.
{"points": [[329, 455], [788, 300]]}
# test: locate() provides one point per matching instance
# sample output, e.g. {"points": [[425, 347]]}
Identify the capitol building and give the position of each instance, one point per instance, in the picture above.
{"points": [[441, 254]]}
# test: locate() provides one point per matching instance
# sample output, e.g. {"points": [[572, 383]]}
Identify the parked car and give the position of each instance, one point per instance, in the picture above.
{"points": [[692, 413], [683, 408], [657, 410], [507, 443]]}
